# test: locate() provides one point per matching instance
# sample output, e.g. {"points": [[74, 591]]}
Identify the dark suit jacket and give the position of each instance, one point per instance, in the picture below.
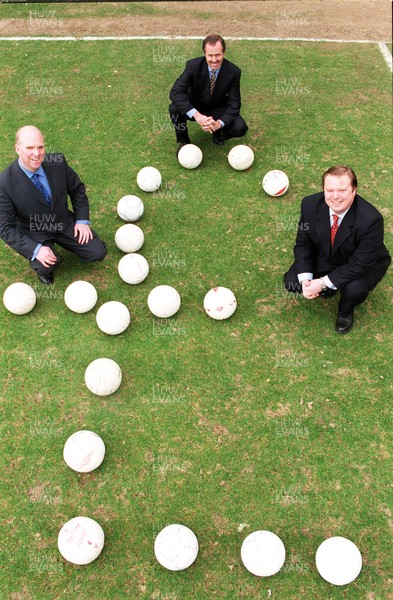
{"points": [[192, 90], [358, 250], [25, 217]]}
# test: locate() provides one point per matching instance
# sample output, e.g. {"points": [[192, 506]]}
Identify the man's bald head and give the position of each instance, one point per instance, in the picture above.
{"points": [[27, 131], [30, 147]]}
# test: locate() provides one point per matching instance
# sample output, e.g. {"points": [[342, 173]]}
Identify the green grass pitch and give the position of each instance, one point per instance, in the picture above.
{"points": [[269, 420]]}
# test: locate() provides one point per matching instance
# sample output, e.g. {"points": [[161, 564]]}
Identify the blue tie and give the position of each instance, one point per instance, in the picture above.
{"points": [[36, 180]]}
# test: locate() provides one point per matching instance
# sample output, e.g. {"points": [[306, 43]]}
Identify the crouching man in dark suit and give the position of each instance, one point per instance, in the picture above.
{"points": [[339, 246], [208, 92], [34, 213]]}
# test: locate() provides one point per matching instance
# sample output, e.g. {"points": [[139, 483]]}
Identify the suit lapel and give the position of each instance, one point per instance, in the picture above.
{"points": [[345, 228], [323, 226], [206, 83], [28, 187], [218, 84], [52, 181], [219, 80]]}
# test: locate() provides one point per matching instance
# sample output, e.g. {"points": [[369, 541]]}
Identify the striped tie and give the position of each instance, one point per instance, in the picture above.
{"points": [[333, 229], [213, 78]]}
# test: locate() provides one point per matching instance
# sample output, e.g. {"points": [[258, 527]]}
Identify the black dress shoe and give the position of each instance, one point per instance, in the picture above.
{"points": [[46, 280], [218, 137], [184, 140], [183, 143], [328, 293], [344, 324]]}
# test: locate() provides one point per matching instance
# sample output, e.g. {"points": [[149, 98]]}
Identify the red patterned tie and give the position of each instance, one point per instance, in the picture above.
{"points": [[333, 229], [213, 78]]}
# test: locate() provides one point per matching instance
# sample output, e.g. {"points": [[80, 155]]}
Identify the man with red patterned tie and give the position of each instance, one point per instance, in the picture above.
{"points": [[208, 92], [339, 246]]}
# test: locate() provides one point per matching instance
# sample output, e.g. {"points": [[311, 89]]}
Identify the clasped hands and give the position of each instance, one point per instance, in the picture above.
{"points": [[311, 288], [207, 123]]}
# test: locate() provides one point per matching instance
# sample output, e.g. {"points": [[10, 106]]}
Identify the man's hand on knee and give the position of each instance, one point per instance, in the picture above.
{"points": [[83, 233], [46, 256]]}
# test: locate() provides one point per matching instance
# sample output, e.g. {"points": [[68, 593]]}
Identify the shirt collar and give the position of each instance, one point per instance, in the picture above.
{"points": [[340, 216], [30, 174], [215, 70]]}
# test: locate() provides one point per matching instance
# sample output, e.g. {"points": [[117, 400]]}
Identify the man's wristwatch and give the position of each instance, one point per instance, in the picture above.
{"points": [[323, 284]]}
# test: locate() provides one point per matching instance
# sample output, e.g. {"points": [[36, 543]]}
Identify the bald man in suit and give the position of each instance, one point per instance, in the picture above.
{"points": [[208, 92], [34, 213], [339, 246]]}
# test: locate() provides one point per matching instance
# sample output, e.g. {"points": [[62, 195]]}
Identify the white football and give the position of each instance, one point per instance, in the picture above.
{"points": [[19, 298], [241, 157], [220, 303], [263, 553], [133, 268], [164, 301], [113, 317], [176, 547], [103, 376], [190, 156], [129, 238], [80, 296], [338, 560], [130, 208], [81, 540], [275, 183], [149, 179], [84, 451]]}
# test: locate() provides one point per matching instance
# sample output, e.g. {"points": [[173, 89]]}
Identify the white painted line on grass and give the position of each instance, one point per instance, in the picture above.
{"points": [[386, 54], [38, 38], [96, 38], [245, 39]]}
